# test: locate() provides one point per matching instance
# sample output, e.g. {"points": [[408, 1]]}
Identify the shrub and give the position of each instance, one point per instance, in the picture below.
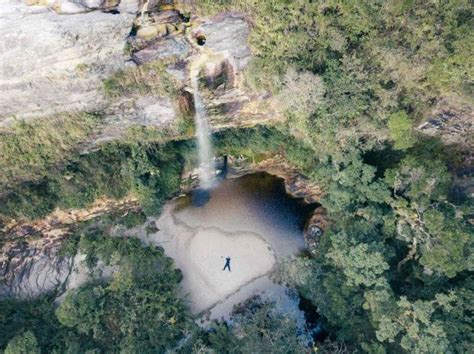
{"points": [[401, 130]]}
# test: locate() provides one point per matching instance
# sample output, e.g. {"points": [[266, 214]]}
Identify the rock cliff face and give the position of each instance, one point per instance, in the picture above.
{"points": [[56, 56], [54, 63], [214, 49]]}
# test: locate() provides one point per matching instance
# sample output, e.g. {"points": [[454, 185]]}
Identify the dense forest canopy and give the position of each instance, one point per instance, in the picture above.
{"points": [[393, 273]]}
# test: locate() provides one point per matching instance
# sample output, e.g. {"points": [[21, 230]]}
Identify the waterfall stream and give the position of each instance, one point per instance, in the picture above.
{"points": [[203, 134]]}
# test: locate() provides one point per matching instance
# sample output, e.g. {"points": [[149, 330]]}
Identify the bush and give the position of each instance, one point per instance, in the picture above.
{"points": [[31, 150], [139, 308], [401, 131], [23, 344], [133, 218]]}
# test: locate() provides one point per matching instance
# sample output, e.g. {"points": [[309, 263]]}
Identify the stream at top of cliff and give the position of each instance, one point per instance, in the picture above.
{"points": [[249, 219]]}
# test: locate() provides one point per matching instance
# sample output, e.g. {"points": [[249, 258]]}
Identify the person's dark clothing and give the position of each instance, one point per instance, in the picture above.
{"points": [[227, 264]]}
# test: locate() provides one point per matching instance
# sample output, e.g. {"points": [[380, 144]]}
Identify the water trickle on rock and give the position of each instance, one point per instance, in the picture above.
{"points": [[203, 135]]}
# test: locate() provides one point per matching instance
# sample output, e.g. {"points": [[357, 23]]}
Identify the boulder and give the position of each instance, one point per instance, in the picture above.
{"points": [[168, 48], [228, 35]]}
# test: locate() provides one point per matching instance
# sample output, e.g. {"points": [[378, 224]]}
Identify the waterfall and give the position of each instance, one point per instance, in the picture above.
{"points": [[203, 134]]}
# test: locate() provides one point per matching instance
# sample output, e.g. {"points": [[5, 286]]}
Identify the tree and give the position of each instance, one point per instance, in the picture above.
{"points": [[300, 97], [413, 325], [258, 327], [138, 309], [422, 210], [450, 251], [362, 264], [23, 344]]}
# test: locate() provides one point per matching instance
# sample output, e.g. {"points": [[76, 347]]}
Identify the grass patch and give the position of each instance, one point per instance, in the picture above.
{"points": [[30, 150], [151, 78]]}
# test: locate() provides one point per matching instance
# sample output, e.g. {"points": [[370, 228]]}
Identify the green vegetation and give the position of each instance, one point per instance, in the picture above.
{"points": [[149, 171], [394, 265], [137, 310], [397, 258], [406, 50], [401, 132], [29, 324], [23, 344], [133, 218], [393, 272], [31, 150], [257, 328]]}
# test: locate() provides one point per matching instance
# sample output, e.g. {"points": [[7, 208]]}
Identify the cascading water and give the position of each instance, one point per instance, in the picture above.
{"points": [[203, 134]]}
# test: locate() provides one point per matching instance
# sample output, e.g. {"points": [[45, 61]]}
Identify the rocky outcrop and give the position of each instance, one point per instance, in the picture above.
{"points": [[453, 123], [56, 56], [214, 49], [30, 260], [54, 63], [167, 48], [229, 101], [315, 228], [228, 34], [29, 271], [71, 7]]}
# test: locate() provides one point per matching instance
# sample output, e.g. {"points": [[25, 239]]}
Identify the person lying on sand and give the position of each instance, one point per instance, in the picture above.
{"points": [[227, 263]]}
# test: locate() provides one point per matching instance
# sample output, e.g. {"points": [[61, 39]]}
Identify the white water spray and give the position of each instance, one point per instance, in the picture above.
{"points": [[203, 134]]}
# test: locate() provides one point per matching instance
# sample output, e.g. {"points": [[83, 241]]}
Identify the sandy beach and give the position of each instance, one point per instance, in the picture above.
{"points": [[252, 226]]}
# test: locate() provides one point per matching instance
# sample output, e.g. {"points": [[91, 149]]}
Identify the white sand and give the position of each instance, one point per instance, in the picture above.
{"points": [[238, 223]]}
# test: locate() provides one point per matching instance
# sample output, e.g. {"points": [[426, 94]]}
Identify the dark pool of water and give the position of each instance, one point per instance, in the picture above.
{"points": [[264, 189]]}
